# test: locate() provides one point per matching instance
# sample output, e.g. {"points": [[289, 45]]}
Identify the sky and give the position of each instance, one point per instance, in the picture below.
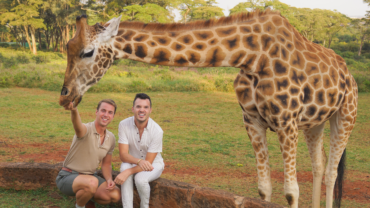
{"points": [[351, 8]]}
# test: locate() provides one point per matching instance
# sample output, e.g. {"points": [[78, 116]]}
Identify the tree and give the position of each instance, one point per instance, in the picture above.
{"points": [[25, 14], [199, 9], [362, 31], [333, 22], [146, 13]]}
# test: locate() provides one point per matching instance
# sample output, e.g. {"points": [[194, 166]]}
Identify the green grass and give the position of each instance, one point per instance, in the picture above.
{"points": [[203, 132]]}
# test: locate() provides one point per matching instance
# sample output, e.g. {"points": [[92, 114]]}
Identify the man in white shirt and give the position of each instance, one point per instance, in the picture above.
{"points": [[140, 147]]}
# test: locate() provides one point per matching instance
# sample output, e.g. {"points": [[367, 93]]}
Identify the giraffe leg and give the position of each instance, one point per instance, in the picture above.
{"points": [[314, 139], [257, 134], [288, 138], [341, 125]]}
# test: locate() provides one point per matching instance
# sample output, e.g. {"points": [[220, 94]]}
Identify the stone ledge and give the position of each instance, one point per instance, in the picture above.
{"points": [[164, 193]]}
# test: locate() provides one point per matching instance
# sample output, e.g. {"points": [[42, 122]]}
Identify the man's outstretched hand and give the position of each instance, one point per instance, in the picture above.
{"points": [[70, 107]]}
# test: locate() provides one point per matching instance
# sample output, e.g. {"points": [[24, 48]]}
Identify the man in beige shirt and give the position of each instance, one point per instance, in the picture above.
{"points": [[92, 144]]}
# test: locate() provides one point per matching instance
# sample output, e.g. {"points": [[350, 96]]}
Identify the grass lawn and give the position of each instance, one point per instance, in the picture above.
{"points": [[205, 143]]}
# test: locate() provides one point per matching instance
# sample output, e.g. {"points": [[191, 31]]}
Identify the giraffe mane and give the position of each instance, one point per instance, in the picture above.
{"points": [[199, 24]]}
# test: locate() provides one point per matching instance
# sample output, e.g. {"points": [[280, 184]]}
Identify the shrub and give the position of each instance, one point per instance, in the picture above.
{"points": [[5, 45], [347, 54]]}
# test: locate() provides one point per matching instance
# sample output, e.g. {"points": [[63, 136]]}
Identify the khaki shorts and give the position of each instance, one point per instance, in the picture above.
{"points": [[65, 180]]}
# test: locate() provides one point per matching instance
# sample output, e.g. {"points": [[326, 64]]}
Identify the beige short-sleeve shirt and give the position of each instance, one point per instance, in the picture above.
{"points": [[151, 139], [86, 153]]}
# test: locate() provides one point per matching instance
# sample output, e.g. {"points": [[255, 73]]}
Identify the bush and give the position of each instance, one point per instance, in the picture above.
{"points": [[348, 54], [5, 45]]}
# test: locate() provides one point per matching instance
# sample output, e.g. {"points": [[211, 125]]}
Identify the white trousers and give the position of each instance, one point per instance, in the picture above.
{"points": [[142, 180]]}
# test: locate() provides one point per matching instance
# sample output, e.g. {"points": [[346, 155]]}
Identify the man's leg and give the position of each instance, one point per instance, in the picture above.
{"points": [[85, 187], [104, 196], [142, 180], [127, 188]]}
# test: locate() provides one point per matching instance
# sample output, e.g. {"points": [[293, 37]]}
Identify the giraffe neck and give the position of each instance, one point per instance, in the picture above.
{"points": [[235, 45]]}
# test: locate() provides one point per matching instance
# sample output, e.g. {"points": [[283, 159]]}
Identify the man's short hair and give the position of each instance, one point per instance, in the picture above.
{"points": [[142, 96], [109, 101]]}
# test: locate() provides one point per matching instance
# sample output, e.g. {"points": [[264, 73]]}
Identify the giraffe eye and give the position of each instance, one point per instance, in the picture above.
{"points": [[87, 55]]}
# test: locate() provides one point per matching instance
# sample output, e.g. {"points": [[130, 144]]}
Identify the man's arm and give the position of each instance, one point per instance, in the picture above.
{"points": [[80, 128], [106, 167], [143, 165]]}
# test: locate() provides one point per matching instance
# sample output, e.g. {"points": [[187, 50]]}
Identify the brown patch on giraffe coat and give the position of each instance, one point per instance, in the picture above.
{"points": [[161, 56], [266, 42], [311, 57], [289, 45], [203, 35], [120, 32], [332, 95], [309, 47], [283, 99], [128, 35], [237, 57], [118, 45], [158, 33], [231, 43], [199, 46], [277, 20], [315, 81], [243, 90], [322, 112], [297, 60], [293, 104], [333, 73], [251, 42], [263, 67], [284, 53], [282, 83], [173, 34], [324, 58], [299, 44], [213, 41], [308, 94], [223, 32], [285, 33], [266, 87], [245, 29], [215, 56], [311, 111], [186, 39], [106, 63], [263, 19], [311, 69], [127, 48], [177, 46], [275, 51], [269, 28], [320, 97], [97, 57], [275, 109], [95, 68], [119, 39], [281, 39], [141, 37], [180, 60], [281, 68], [323, 67], [193, 56], [151, 43], [162, 40], [257, 28], [248, 62], [327, 81], [140, 50], [334, 63]]}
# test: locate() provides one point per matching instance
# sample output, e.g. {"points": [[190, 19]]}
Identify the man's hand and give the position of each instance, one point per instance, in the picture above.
{"points": [[110, 184], [70, 107], [122, 177], [145, 165]]}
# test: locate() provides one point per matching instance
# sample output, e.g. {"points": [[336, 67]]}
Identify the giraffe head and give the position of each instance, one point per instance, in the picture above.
{"points": [[89, 55]]}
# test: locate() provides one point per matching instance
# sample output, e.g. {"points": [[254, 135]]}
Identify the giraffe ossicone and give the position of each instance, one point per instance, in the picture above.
{"points": [[286, 83]]}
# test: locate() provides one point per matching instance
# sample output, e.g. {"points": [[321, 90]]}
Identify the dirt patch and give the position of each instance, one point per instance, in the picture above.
{"points": [[357, 189]]}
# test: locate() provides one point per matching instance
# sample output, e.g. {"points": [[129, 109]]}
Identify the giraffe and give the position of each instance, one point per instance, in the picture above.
{"points": [[286, 83]]}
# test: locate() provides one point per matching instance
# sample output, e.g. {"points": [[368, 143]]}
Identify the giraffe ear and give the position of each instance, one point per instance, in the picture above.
{"points": [[111, 29]]}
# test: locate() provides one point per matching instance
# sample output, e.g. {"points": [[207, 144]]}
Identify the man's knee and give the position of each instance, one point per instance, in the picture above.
{"points": [[141, 182], [116, 195], [90, 186]]}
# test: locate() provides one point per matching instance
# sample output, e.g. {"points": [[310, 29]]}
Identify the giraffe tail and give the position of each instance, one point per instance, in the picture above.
{"points": [[339, 182]]}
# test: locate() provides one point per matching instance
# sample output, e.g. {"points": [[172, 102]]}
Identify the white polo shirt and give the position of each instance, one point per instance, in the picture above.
{"points": [[151, 140]]}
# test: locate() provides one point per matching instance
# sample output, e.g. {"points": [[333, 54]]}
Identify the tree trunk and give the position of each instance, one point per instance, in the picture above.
{"points": [[330, 39], [73, 30], [61, 40], [28, 37], [324, 43], [34, 50], [47, 33], [56, 40], [362, 43], [39, 39], [186, 14], [67, 34]]}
